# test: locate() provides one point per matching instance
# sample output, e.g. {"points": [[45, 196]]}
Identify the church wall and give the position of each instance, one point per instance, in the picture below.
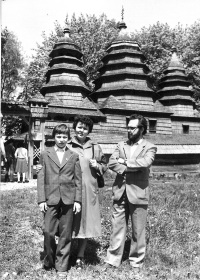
{"points": [[163, 126], [69, 97], [63, 77], [128, 69], [182, 109], [177, 126], [114, 122]]}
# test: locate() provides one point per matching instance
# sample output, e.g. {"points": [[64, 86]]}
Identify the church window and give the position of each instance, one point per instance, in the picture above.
{"points": [[152, 126], [186, 129]]}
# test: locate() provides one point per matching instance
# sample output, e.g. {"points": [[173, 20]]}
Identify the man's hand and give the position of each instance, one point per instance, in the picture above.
{"points": [[43, 207], [94, 164], [38, 167], [77, 207], [122, 161]]}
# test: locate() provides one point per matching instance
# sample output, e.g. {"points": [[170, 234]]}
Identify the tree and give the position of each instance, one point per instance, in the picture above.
{"points": [[156, 43], [11, 63], [92, 34]]}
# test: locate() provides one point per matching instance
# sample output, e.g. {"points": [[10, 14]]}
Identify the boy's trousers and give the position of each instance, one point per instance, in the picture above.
{"points": [[60, 217]]}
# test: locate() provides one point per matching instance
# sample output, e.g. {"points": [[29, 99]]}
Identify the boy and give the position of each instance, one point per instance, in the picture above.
{"points": [[59, 194]]}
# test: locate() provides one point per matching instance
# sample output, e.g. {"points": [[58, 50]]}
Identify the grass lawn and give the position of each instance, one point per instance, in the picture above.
{"points": [[173, 236]]}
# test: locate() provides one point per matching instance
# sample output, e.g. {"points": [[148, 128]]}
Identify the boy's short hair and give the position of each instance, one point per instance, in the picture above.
{"points": [[83, 119], [61, 129]]}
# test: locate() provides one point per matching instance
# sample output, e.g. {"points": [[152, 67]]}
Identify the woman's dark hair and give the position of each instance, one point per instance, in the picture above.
{"points": [[83, 119], [20, 144], [61, 129], [142, 122]]}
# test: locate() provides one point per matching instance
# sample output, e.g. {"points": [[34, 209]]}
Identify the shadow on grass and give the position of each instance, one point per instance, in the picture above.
{"points": [[91, 257], [126, 249]]}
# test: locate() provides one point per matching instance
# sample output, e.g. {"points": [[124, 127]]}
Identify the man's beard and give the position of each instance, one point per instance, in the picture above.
{"points": [[133, 137]]}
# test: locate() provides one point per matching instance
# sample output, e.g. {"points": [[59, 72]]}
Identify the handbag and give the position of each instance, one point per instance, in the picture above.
{"points": [[100, 179]]}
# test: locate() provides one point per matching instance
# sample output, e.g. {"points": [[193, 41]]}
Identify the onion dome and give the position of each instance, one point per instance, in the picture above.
{"points": [[175, 89], [65, 77], [124, 74]]}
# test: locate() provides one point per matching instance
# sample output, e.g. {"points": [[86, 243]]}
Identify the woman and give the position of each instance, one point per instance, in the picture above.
{"points": [[87, 224], [22, 162]]}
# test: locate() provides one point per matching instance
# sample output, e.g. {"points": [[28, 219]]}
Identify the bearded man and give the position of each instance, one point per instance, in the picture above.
{"points": [[131, 161]]}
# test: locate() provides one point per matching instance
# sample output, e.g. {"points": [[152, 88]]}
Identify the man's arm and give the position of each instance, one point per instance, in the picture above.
{"points": [[114, 164], [41, 182], [142, 162]]}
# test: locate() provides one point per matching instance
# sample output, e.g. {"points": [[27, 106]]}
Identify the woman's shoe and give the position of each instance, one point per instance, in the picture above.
{"points": [[80, 263]]}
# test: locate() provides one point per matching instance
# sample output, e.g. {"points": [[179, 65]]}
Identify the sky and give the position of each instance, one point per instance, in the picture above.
{"points": [[29, 18]]}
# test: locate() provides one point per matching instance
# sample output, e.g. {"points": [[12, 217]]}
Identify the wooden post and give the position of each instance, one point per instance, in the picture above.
{"points": [[42, 128], [30, 148]]}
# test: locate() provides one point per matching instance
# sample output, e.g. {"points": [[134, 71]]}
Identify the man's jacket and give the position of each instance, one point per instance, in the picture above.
{"points": [[134, 178]]}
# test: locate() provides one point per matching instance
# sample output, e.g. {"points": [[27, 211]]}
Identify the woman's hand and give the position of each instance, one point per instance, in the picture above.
{"points": [[38, 167], [122, 161], [94, 164], [77, 207], [43, 207]]}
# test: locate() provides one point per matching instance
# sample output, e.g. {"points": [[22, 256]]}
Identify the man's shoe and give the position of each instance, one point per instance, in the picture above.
{"points": [[80, 263], [136, 265], [62, 274]]}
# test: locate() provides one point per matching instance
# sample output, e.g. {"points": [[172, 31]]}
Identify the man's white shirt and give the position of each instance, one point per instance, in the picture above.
{"points": [[134, 147]]}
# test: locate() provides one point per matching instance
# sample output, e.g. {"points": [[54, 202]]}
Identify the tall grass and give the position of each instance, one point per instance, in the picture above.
{"points": [[173, 236]]}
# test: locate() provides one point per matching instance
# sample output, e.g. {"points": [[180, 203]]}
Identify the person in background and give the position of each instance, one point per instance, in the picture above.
{"points": [[22, 162], [59, 194], [87, 224], [10, 160], [131, 160], [2, 147]]}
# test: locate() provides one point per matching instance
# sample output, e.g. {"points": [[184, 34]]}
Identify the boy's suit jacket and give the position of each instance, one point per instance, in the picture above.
{"points": [[134, 178], [59, 181]]}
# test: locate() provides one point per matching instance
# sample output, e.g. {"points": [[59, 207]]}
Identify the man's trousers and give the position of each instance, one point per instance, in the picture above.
{"points": [[122, 209], [60, 217]]}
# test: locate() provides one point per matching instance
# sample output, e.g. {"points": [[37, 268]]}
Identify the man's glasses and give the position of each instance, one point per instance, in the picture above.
{"points": [[132, 128]]}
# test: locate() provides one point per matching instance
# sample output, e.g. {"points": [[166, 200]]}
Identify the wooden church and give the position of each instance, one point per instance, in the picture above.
{"points": [[123, 88]]}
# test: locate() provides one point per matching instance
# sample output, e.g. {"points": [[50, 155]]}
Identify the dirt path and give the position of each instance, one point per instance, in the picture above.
{"points": [[14, 186]]}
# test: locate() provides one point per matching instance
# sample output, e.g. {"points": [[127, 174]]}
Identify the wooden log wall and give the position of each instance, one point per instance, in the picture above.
{"points": [[182, 109], [68, 97], [177, 127], [163, 126], [133, 101], [65, 77], [128, 69], [114, 122]]}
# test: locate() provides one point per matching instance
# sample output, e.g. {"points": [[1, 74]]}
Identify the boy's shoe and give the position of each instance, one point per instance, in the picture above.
{"points": [[80, 263], [62, 274]]}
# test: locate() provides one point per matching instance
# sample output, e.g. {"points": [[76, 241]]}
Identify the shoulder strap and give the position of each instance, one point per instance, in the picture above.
{"points": [[92, 150]]}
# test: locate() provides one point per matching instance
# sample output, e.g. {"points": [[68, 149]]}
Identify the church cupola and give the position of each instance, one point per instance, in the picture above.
{"points": [[175, 88], [65, 78], [124, 74]]}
